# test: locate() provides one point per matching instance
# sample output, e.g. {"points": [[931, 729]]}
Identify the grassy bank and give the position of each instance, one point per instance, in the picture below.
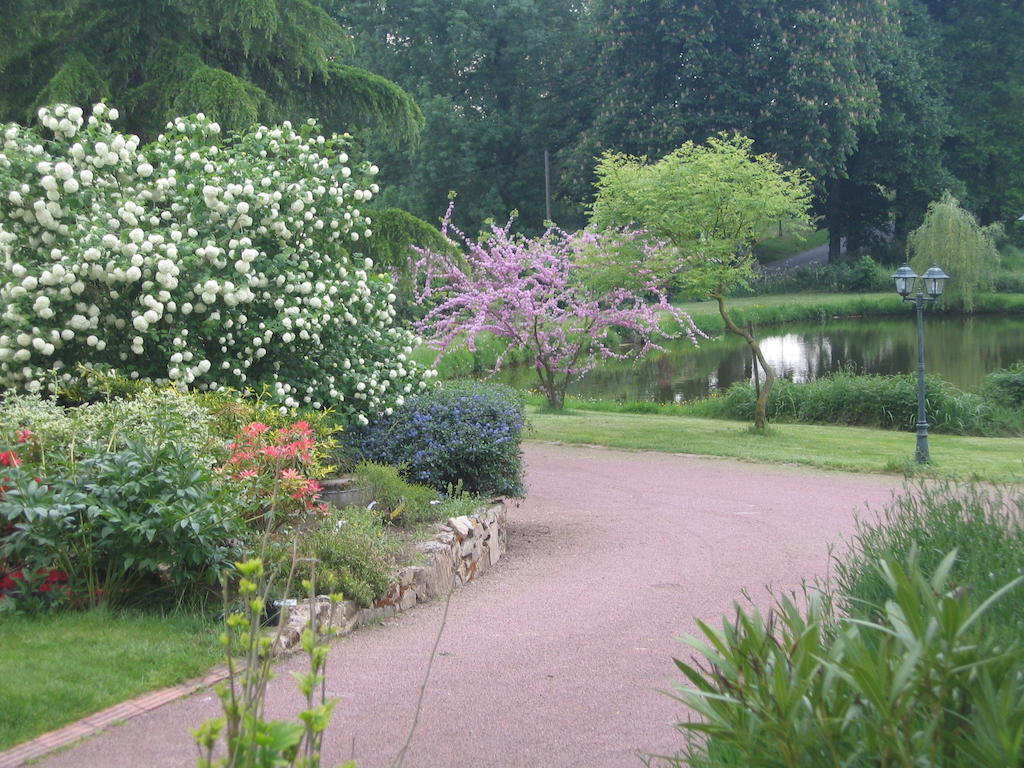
{"points": [[851, 449], [64, 666], [787, 308]]}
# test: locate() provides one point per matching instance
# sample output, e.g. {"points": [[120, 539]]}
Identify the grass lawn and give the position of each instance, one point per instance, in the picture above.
{"points": [[783, 305], [61, 667], [852, 449]]}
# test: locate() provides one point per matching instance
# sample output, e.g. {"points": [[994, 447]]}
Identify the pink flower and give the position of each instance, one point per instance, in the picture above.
{"points": [[24, 435], [255, 428]]}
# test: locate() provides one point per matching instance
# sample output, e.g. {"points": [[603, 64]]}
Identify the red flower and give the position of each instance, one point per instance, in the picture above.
{"points": [[274, 452], [24, 435], [9, 459]]}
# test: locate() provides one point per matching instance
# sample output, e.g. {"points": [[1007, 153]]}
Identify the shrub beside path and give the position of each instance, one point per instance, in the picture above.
{"points": [[556, 656]]}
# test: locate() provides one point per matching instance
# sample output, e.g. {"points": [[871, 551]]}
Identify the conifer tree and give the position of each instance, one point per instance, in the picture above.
{"points": [[237, 61]]}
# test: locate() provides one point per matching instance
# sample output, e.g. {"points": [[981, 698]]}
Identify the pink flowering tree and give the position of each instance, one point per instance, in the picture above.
{"points": [[541, 295]]}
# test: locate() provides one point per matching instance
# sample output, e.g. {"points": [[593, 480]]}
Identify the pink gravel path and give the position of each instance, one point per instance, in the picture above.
{"points": [[556, 657]]}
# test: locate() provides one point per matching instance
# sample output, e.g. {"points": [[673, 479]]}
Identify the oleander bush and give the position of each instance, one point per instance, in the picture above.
{"points": [[985, 524], [910, 655], [917, 682], [463, 434], [205, 260]]}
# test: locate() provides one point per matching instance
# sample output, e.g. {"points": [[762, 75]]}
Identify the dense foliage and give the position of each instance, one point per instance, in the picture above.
{"points": [[240, 62], [910, 657], [204, 260], [1006, 386], [142, 497], [889, 402], [886, 103], [461, 435], [856, 275], [985, 524], [952, 237], [496, 82], [127, 520]]}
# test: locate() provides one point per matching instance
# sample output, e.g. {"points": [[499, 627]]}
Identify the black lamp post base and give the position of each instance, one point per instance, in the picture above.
{"points": [[922, 454]]}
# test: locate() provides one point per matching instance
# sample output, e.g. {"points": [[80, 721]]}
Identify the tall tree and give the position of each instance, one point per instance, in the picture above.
{"points": [[899, 165], [798, 77], [238, 61], [984, 41], [493, 78]]}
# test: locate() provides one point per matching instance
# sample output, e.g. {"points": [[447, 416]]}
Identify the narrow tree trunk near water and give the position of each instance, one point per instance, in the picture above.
{"points": [[834, 206], [761, 404], [553, 389]]}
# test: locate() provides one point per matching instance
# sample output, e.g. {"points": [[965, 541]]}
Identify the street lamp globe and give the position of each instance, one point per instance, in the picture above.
{"points": [[905, 278], [934, 282]]}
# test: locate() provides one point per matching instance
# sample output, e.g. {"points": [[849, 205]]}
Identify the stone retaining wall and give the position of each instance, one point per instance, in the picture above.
{"points": [[462, 550]]}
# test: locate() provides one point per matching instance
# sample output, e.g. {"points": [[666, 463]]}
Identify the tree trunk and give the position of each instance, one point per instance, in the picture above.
{"points": [[552, 389], [761, 404], [834, 207]]}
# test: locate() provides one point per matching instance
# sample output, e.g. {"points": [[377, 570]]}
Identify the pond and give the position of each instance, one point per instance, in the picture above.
{"points": [[960, 349]]}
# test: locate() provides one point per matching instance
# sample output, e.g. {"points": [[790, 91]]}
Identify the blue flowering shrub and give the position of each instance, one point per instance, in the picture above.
{"points": [[464, 432]]}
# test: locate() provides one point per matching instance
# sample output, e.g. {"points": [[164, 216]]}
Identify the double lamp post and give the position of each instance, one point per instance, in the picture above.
{"points": [[931, 283]]}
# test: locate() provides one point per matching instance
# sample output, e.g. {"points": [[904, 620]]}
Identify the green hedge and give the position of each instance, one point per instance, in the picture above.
{"points": [[869, 400]]}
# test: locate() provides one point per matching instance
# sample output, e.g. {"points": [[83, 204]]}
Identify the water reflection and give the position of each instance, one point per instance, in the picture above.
{"points": [[961, 350]]}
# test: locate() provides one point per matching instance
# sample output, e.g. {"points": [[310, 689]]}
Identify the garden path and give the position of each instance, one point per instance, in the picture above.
{"points": [[555, 658]]}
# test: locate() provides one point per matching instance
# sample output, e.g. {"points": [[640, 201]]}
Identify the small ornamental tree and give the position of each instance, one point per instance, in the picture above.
{"points": [[204, 260], [710, 203], [534, 293], [952, 237]]}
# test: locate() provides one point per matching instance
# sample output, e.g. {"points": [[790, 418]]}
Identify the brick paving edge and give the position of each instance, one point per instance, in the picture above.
{"points": [[98, 721]]}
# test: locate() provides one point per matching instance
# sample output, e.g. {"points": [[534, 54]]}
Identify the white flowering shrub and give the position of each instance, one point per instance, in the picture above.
{"points": [[203, 260]]}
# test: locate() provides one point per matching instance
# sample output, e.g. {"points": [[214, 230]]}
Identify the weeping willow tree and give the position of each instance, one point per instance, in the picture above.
{"points": [[238, 61], [951, 237]]}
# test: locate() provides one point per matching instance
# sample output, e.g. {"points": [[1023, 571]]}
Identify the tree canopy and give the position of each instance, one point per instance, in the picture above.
{"points": [[496, 82], [952, 238], [236, 61], [710, 203]]}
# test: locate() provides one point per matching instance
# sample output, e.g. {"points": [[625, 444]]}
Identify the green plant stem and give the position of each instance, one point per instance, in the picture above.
{"points": [[400, 759]]}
